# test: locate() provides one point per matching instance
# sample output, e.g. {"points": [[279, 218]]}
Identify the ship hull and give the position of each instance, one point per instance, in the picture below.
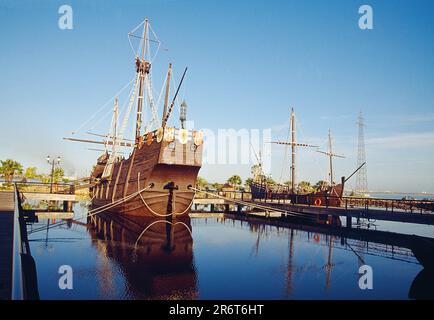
{"points": [[155, 180], [331, 197]]}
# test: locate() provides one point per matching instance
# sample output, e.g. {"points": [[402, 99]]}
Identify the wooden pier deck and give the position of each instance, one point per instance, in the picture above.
{"points": [[48, 196], [6, 243]]}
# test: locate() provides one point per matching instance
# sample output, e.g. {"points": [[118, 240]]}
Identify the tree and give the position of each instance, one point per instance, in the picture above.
{"points": [[30, 173], [9, 168], [201, 183], [58, 175], [270, 180], [235, 180], [248, 182], [217, 186], [320, 185], [45, 178], [305, 187], [257, 173]]}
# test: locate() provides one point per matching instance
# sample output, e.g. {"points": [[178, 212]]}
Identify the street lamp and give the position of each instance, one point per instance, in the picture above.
{"points": [[52, 163]]}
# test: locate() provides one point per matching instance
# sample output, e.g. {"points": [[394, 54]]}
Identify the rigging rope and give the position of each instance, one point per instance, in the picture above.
{"points": [[103, 107], [98, 210]]}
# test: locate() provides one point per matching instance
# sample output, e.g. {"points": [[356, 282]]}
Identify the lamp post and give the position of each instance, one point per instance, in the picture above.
{"points": [[52, 163]]}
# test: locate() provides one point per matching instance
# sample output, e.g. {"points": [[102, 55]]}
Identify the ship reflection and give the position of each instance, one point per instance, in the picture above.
{"points": [[154, 254], [360, 243]]}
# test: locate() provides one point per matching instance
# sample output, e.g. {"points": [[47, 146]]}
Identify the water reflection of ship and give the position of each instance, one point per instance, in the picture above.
{"points": [[155, 255], [361, 242], [423, 284], [328, 266], [262, 231]]}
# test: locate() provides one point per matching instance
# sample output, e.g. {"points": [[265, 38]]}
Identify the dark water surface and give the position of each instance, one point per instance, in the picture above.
{"points": [[222, 258]]}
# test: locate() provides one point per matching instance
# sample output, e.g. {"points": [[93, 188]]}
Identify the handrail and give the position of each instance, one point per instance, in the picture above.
{"points": [[17, 275], [60, 188], [24, 284]]}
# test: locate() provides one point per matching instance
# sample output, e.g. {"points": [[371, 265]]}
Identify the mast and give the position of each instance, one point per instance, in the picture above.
{"points": [[293, 143], [292, 150], [331, 158], [166, 97], [142, 68], [330, 154]]}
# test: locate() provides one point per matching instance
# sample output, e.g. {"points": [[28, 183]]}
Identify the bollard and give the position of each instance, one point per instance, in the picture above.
{"points": [[349, 222], [67, 206]]}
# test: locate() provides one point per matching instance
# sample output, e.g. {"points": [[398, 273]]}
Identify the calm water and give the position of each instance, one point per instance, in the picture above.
{"points": [[220, 259]]}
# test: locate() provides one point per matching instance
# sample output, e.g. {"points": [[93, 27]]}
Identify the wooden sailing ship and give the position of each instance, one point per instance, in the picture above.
{"points": [[156, 178], [329, 194]]}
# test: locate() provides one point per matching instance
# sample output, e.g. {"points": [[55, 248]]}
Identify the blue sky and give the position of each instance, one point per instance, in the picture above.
{"points": [[249, 63]]}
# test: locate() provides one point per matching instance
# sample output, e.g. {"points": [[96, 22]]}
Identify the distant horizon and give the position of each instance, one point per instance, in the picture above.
{"points": [[246, 71]]}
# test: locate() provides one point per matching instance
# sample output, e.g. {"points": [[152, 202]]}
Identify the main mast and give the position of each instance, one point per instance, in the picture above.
{"points": [[142, 68], [292, 150], [293, 143]]}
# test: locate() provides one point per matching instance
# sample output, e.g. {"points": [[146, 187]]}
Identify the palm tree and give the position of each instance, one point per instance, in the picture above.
{"points": [[248, 182], [305, 187], [320, 185], [235, 180], [9, 168]]}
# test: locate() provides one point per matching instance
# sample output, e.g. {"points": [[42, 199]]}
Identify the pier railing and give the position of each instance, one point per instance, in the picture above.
{"points": [[40, 187], [388, 205], [24, 284]]}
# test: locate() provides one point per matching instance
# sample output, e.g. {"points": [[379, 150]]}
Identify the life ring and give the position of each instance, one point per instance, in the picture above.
{"points": [[317, 202], [316, 237]]}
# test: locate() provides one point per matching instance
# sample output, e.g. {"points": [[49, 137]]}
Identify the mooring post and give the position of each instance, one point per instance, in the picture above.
{"points": [[349, 221], [67, 206], [227, 207], [239, 208]]}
